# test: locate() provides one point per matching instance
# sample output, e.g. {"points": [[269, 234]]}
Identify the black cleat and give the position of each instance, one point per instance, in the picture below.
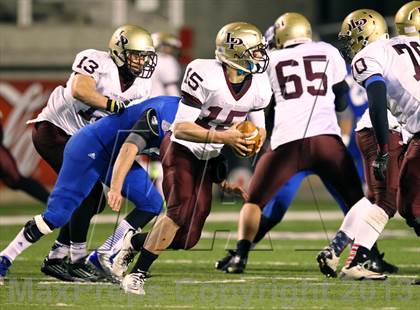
{"points": [[57, 268], [84, 271], [416, 282], [221, 263], [235, 265], [379, 264]]}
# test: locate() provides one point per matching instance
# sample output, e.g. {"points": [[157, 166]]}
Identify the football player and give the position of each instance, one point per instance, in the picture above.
{"points": [[308, 82], [101, 84], [384, 67], [11, 176], [88, 158], [166, 78], [217, 94]]}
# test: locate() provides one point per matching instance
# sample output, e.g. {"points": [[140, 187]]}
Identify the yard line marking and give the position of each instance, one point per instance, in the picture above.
{"points": [[213, 217], [188, 281], [74, 283]]}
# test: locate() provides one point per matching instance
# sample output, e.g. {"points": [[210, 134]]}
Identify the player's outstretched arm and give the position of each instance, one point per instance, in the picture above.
{"points": [[122, 165]]}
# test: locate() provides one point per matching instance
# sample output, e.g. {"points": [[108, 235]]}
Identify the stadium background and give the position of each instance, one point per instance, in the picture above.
{"points": [[39, 39]]}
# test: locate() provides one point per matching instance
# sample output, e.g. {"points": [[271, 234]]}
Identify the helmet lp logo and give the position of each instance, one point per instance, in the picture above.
{"points": [[233, 41], [122, 39], [357, 24]]}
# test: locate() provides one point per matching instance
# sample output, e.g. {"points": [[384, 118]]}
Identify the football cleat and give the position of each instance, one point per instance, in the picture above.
{"points": [[221, 263], [359, 268], [416, 282], [102, 263], [134, 283], [361, 272], [125, 256], [84, 270], [236, 264], [57, 268], [5, 264], [328, 262], [380, 265]]}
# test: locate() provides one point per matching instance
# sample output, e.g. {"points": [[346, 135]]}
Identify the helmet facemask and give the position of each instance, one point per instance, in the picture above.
{"points": [[255, 59], [141, 64]]}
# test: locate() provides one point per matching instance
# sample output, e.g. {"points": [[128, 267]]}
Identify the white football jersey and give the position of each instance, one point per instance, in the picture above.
{"points": [[167, 73], [397, 60], [206, 82], [70, 114], [302, 78]]}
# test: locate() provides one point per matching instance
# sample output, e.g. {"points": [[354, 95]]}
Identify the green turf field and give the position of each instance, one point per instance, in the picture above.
{"points": [[281, 274]]}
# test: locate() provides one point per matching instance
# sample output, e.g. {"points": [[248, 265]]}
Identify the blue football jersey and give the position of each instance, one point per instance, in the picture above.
{"points": [[112, 130]]}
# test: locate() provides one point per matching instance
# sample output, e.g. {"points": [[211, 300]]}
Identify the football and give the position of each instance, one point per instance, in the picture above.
{"points": [[248, 127]]}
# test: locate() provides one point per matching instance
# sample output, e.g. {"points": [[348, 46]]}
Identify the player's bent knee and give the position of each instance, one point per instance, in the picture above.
{"points": [[35, 228]]}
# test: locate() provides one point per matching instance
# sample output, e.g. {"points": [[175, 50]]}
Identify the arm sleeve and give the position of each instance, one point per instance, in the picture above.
{"points": [[376, 92], [88, 62], [144, 130], [340, 91]]}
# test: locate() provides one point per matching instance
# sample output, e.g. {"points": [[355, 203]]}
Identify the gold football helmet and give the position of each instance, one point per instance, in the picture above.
{"points": [[292, 28], [407, 19], [360, 28], [132, 46], [242, 46], [161, 39]]}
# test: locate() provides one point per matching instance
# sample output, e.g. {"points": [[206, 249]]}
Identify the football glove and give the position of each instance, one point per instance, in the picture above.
{"points": [[379, 166], [116, 106]]}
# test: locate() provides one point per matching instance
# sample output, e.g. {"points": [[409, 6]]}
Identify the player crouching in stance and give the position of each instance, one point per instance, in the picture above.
{"points": [[216, 93], [384, 67], [88, 157]]}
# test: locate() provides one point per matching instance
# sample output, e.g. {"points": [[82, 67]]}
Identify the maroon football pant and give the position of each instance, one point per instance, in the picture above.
{"points": [[326, 155], [409, 189], [187, 187], [384, 192]]}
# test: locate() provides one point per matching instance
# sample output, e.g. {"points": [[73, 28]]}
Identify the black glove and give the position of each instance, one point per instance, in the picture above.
{"points": [[116, 106], [379, 166]]}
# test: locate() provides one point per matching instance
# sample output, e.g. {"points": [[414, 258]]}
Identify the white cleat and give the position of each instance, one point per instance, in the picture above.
{"points": [[125, 256], [134, 283], [328, 262], [361, 272], [1, 281]]}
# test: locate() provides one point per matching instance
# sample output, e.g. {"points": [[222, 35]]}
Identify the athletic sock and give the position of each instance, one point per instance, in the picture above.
{"points": [[113, 243], [352, 254], [353, 218], [243, 247], [373, 223], [137, 241], [77, 251], [17, 246], [144, 261], [59, 250], [339, 243]]}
